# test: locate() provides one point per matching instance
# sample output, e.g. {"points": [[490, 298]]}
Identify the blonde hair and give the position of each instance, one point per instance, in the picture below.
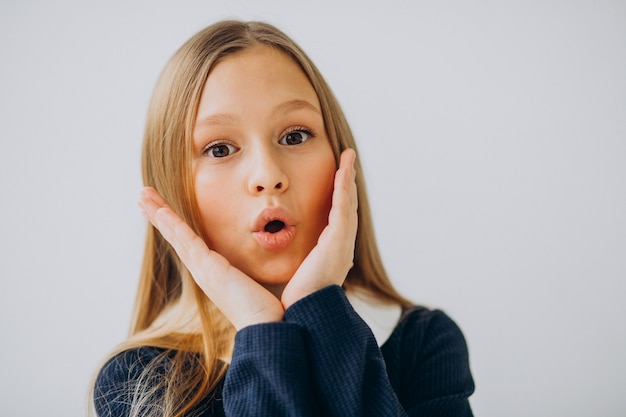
{"points": [[171, 311]]}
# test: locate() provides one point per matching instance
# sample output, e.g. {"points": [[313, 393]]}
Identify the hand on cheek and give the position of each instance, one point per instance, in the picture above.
{"points": [[333, 256], [242, 300]]}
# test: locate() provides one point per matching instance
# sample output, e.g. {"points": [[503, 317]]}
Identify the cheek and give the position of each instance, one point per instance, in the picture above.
{"points": [[215, 204], [320, 185]]}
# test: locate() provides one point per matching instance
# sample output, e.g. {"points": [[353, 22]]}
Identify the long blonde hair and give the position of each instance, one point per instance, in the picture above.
{"points": [[171, 311]]}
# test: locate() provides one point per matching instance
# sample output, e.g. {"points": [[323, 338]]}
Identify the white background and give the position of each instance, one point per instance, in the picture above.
{"points": [[493, 136]]}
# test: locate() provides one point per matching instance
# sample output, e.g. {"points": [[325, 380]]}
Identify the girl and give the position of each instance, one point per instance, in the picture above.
{"points": [[262, 292]]}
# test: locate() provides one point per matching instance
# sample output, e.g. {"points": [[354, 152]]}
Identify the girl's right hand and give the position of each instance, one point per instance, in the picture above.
{"points": [[242, 300]]}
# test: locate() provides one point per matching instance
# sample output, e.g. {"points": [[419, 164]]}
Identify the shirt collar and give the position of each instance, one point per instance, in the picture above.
{"points": [[381, 317]]}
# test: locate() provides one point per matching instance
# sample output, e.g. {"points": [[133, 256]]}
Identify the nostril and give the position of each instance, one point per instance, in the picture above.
{"points": [[278, 186]]}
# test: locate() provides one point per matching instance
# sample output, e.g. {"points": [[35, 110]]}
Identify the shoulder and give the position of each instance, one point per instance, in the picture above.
{"points": [[427, 354], [422, 329], [426, 323], [122, 374], [130, 364]]}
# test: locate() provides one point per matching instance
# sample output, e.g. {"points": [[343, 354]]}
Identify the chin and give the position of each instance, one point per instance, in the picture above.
{"points": [[273, 274]]}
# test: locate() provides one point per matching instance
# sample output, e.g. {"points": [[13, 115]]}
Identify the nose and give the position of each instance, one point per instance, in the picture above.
{"points": [[266, 174]]}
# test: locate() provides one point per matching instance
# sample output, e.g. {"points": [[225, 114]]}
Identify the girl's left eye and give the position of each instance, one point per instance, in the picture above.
{"points": [[296, 137]]}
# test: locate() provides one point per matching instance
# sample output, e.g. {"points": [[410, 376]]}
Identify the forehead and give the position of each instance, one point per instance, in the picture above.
{"points": [[255, 76]]}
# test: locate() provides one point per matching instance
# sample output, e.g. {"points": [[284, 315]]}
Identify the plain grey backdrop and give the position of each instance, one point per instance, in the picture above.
{"points": [[493, 136]]}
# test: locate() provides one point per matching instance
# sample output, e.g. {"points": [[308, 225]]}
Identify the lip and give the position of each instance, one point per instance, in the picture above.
{"points": [[280, 239]]}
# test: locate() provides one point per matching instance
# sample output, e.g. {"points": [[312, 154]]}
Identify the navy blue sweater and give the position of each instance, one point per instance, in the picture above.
{"points": [[322, 360]]}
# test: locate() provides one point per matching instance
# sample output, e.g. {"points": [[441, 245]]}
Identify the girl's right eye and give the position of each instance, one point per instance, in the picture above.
{"points": [[220, 150]]}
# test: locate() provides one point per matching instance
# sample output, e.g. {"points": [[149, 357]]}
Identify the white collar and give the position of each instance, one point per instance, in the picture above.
{"points": [[381, 317]]}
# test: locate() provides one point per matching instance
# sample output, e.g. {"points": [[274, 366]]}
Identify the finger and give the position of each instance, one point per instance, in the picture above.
{"points": [[183, 239], [344, 200], [150, 203]]}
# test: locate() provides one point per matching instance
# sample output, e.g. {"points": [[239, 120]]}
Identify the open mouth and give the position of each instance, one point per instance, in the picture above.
{"points": [[274, 226]]}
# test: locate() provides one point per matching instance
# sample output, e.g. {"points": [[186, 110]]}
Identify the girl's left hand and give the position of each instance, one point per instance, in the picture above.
{"points": [[333, 256]]}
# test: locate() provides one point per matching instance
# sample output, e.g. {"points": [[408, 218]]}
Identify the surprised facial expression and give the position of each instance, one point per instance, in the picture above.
{"points": [[262, 164]]}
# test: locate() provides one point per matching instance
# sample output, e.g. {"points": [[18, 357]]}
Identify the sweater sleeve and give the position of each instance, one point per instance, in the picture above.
{"points": [[270, 373], [348, 368], [350, 374]]}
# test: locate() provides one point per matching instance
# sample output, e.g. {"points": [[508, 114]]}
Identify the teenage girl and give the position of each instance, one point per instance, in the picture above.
{"points": [[262, 292]]}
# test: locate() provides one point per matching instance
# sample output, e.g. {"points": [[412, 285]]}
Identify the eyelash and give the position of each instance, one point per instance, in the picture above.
{"points": [[299, 129]]}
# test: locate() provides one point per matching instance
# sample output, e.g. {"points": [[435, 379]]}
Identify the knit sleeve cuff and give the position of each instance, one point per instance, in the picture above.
{"points": [[266, 339], [328, 312]]}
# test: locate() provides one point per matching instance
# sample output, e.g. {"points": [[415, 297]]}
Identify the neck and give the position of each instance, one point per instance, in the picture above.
{"points": [[276, 289]]}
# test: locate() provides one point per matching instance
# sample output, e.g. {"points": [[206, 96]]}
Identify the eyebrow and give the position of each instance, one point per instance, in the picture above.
{"points": [[219, 120], [279, 111], [293, 105]]}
